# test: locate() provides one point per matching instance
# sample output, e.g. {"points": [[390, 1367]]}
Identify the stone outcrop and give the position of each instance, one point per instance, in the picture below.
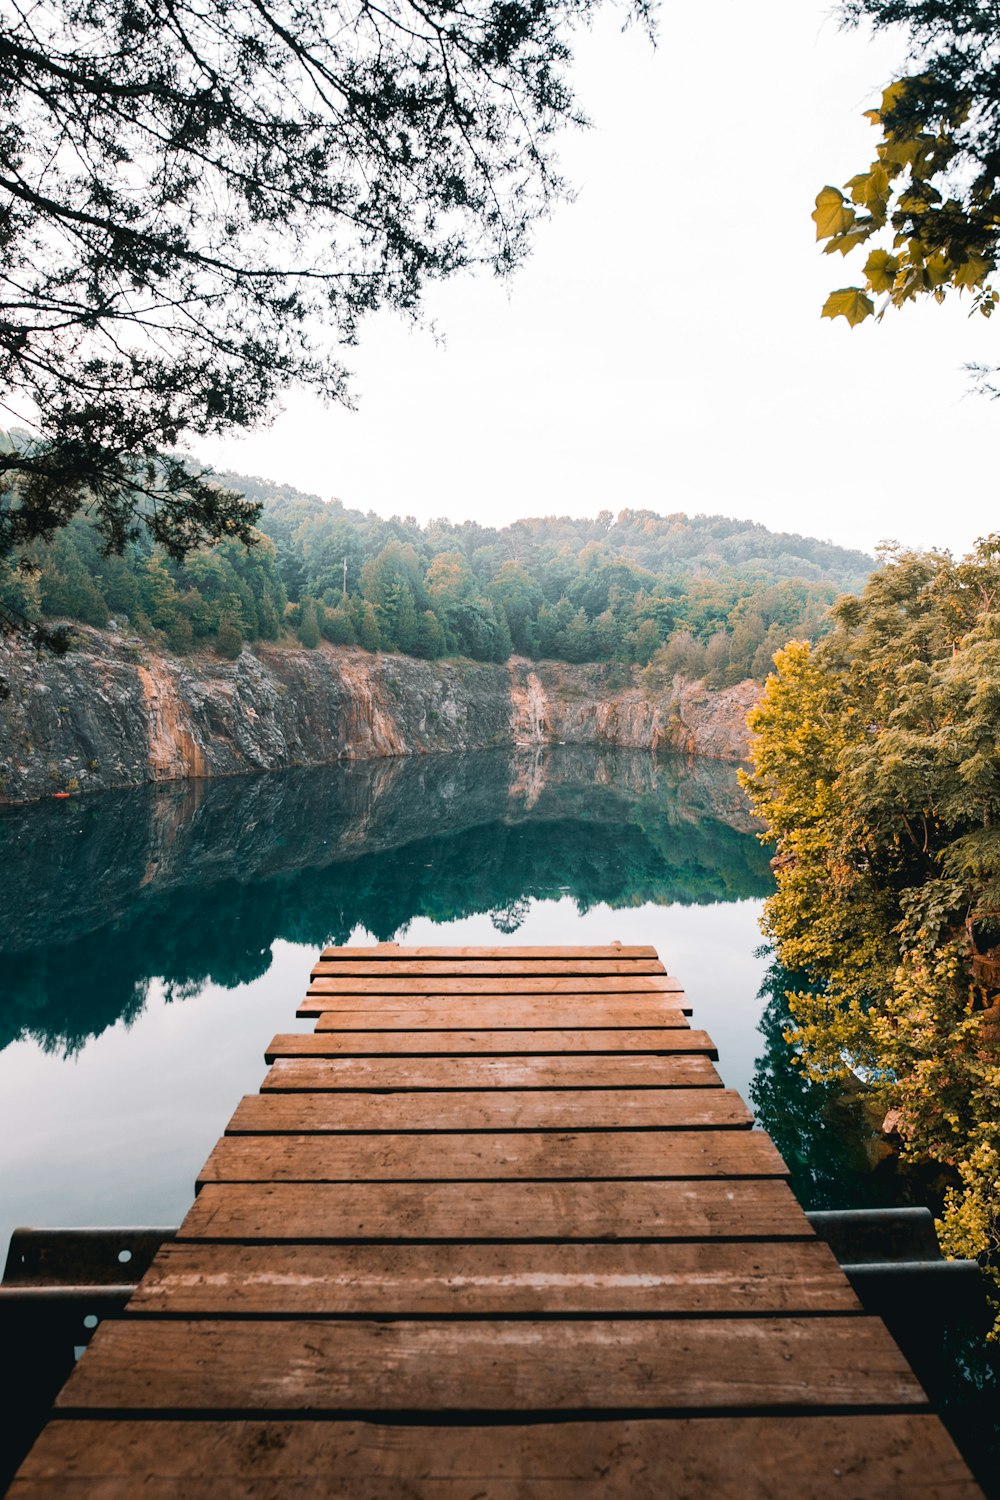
{"points": [[112, 713]]}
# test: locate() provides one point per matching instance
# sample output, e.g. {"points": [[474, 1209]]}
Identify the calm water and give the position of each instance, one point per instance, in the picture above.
{"points": [[152, 942]]}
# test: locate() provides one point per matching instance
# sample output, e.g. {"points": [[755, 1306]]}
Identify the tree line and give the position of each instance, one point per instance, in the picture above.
{"points": [[704, 595]]}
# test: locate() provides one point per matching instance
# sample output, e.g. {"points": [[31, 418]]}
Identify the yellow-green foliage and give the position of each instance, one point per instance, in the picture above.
{"points": [[937, 237], [876, 768]]}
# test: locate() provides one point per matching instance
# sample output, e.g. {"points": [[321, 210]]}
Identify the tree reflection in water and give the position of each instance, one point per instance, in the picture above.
{"points": [[193, 882], [830, 1136]]}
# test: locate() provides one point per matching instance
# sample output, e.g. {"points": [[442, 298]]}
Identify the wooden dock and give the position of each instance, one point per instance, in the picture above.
{"points": [[494, 1229]]}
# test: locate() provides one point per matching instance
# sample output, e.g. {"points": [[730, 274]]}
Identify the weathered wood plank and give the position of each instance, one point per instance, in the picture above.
{"points": [[601, 1012], [583, 969], [711, 1208], [612, 984], [477, 968], [307, 1075], [290, 1280], [511, 1043], [493, 1109], [897, 1457], [439, 1157], [693, 1365], [512, 953]]}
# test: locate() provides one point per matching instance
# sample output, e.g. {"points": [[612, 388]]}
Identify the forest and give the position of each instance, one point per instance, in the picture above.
{"points": [[875, 772], [705, 596]]}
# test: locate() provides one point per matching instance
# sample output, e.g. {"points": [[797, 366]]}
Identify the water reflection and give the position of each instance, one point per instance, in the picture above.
{"points": [[194, 883], [828, 1131]]}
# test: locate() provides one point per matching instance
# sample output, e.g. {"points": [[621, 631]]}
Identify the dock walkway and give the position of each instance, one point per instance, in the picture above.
{"points": [[494, 1229]]}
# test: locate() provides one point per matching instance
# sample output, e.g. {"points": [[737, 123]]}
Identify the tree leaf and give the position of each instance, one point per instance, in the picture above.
{"points": [[881, 269], [972, 272], [849, 302], [861, 230], [833, 214]]}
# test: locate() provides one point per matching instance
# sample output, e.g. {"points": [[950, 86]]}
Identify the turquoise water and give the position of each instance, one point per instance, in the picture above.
{"points": [[152, 942]]}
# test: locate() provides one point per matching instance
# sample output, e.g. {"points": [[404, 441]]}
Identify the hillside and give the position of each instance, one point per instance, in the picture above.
{"points": [[707, 596]]}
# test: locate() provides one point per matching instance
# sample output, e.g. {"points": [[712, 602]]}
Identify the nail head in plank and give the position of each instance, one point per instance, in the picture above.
{"points": [[511, 1043], [492, 1109], [542, 1155], [753, 1364], [289, 1280], [414, 1074], [711, 1208], [901, 1456]]}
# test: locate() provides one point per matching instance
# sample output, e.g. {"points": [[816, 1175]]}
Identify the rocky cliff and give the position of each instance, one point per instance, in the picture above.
{"points": [[112, 713]]}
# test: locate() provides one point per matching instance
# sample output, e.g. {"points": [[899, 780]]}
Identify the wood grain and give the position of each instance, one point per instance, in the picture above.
{"points": [[441, 1156], [510, 1043], [418, 1074], [552, 968], [512, 953], [693, 1365], [605, 1012], [492, 1109], [293, 1280], [709, 1208], [521, 984], [906, 1456]]}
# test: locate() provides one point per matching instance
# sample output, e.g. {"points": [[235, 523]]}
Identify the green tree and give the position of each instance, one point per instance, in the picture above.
{"points": [[430, 641], [308, 632], [927, 209], [199, 202], [338, 627], [876, 769], [229, 639], [366, 627]]}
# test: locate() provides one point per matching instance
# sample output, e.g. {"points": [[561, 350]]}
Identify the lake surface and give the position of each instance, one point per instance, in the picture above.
{"points": [[153, 941]]}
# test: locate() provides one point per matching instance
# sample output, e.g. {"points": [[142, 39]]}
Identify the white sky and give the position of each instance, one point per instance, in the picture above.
{"points": [[663, 347]]}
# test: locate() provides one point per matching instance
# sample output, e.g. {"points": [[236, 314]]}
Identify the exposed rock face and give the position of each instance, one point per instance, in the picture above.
{"points": [[112, 713]]}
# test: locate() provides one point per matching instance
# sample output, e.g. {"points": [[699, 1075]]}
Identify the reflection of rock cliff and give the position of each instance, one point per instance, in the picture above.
{"points": [[197, 880], [112, 714]]}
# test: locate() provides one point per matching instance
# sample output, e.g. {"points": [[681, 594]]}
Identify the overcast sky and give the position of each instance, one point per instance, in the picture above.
{"points": [[663, 346]]}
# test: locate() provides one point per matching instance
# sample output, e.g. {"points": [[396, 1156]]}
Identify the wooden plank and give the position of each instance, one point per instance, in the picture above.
{"points": [[291, 1280], [613, 984], [694, 1365], [473, 968], [306, 1075], [511, 953], [905, 1456], [438, 1157], [607, 1012], [497, 1109], [711, 1208], [510, 1043]]}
